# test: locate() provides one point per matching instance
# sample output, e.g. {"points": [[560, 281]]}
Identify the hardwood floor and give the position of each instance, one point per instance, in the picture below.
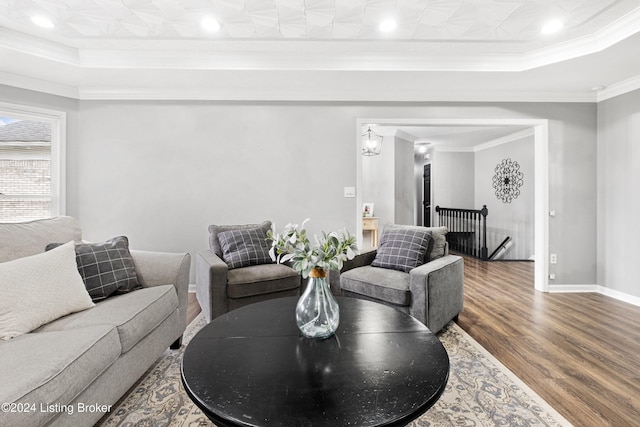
{"points": [[579, 352], [193, 307]]}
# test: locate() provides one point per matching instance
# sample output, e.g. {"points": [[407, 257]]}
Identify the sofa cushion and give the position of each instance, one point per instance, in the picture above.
{"points": [[244, 247], [38, 289], [261, 279], [105, 268], [29, 238], [402, 249], [134, 314], [214, 243], [379, 283], [53, 367]]}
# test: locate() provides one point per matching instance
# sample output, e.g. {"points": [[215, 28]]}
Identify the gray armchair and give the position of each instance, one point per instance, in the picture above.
{"points": [[432, 292], [220, 289]]}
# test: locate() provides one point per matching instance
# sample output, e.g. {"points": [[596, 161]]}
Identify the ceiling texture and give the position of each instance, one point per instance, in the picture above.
{"points": [[323, 50]]}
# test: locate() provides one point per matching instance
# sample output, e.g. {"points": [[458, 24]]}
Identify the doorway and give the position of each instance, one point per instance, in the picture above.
{"points": [[541, 154], [426, 198]]}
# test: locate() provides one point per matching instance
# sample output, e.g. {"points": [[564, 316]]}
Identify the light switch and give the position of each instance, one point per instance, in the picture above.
{"points": [[349, 191]]}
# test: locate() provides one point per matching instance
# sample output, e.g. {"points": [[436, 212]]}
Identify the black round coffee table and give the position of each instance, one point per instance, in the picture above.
{"points": [[252, 367]]}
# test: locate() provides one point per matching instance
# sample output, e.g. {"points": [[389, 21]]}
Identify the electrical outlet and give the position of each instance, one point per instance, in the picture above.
{"points": [[553, 259], [552, 276]]}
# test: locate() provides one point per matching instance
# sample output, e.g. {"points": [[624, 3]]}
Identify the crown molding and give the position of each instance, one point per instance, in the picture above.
{"points": [[309, 56], [516, 136], [604, 38], [619, 88], [326, 93], [365, 55], [38, 47], [486, 145], [38, 85]]}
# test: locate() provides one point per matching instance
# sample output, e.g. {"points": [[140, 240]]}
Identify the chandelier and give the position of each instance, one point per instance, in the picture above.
{"points": [[371, 143]]}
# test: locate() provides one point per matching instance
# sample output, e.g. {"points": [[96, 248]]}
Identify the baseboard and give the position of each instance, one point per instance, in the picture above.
{"points": [[621, 296], [573, 288], [192, 288]]}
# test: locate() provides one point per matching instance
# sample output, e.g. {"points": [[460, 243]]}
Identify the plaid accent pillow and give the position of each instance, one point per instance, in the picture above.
{"points": [[402, 249], [244, 247], [106, 268]]}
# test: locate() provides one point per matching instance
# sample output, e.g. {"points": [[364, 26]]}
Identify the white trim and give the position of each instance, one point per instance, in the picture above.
{"points": [[585, 288], [541, 153], [577, 288], [294, 54], [192, 288], [619, 88], [309, 55], [505, 139], [38, 85], [325, 94], [58, 121], [541, 205], [621, 296]]}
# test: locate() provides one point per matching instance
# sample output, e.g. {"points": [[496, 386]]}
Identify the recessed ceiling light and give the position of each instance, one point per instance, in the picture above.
{"points": [[388, 25], [43, 22], [210, 24], [552, 27]]}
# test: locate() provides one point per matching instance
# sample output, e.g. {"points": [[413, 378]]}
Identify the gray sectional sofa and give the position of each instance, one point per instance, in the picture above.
{"points": [[71, 371]]}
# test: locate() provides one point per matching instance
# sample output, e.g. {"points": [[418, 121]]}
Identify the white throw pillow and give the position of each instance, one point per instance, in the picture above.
{"points": [[38, 289]]}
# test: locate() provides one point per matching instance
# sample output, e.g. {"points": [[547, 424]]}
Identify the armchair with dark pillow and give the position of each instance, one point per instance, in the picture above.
{"points": [[412, 271], [236, 270]]}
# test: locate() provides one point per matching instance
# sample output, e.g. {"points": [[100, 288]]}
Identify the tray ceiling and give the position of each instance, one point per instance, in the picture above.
{"points": [[162, 41], [90, 23]]}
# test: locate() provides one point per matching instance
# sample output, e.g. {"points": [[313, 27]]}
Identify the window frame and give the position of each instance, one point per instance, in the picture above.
{"points": [[58, 122]]}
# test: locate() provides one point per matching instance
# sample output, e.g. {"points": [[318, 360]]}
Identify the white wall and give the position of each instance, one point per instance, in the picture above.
{"points": [[618, 203], [515, 219], [161, 172]]}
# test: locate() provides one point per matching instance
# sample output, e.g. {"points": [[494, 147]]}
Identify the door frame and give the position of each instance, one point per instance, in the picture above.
{"points": [[541, 167]]}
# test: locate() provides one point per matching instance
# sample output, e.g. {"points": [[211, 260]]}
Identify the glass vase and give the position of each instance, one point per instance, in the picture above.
{"points": [[317, 311]]}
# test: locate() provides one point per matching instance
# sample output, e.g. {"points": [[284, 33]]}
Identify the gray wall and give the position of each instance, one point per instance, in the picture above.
{"points": [[618, 192], [378, 183], [161, 172], [452, 181], [515, 219], [405, 190]]}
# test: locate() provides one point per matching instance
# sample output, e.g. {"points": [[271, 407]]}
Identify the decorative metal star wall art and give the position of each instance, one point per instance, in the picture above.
{"points": [[507, 180]]}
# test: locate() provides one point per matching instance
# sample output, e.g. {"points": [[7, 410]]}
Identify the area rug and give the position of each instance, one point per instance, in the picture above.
{"points": [[480, 392]]}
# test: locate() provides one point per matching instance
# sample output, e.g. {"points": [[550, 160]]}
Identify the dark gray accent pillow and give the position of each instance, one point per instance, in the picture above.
{"points": [[106, 268], [214, 230], [402, 249], [437, 243], [244, 247]]}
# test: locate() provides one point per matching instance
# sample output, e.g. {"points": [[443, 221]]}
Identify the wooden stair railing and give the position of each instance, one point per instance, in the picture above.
{"points": [[467, 230]]}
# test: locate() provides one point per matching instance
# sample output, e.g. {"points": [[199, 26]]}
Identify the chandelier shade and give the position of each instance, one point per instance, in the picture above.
{"points": [[371, 143]]}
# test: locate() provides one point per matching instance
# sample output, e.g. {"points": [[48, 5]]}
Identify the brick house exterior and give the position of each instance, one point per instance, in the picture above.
{"points": [[25, 171]]}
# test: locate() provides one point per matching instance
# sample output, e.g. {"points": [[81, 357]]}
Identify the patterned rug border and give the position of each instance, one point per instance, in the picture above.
{"points": [[140, 405], [513, 377]]}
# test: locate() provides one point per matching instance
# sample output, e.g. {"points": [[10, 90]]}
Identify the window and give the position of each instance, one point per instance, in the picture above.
{"points": [[31, 163]]}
